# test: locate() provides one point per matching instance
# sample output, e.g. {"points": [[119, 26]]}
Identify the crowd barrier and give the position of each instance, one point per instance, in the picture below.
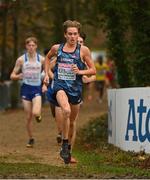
{"points": [[5, 95], [129, 118]]}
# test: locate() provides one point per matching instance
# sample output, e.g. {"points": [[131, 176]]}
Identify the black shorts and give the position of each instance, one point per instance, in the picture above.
{"points": [[72, 99]]}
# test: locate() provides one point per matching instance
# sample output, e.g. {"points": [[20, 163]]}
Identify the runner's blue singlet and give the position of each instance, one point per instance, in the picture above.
{"points": [[64, 77]]}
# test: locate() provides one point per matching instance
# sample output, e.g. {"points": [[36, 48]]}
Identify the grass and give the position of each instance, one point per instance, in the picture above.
{"points": [[101, 157], [97, 159]]}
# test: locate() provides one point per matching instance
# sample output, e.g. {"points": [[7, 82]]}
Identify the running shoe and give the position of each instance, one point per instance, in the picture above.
{"points": [[38, 119], [73, 160], [59, 138], [30, 143], [65, 153]]}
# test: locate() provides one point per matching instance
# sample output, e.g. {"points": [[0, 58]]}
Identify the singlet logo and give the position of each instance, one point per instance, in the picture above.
{"points": [[66, 60]]}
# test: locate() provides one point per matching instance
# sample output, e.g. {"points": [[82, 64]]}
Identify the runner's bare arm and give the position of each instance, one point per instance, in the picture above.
{"points": [[44, 88], [15, 75], [86, 56], [88, 79], [52, 52], [42, 61], [52, 64]]}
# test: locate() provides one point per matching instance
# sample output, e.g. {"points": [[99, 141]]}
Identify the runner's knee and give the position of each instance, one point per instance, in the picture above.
{"points": [[67, 112]]}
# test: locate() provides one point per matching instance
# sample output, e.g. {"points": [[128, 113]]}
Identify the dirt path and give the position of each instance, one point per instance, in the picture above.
{"points": [[13, 135]]}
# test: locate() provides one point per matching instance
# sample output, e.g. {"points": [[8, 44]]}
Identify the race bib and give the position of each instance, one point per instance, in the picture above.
{"points": [[65, 72]]}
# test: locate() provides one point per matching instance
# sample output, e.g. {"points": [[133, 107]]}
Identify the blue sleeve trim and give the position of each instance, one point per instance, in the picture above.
{"points": [[26, 59], [38, 57]]}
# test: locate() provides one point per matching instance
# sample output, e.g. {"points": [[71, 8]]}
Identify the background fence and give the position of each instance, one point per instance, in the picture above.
{"points": [[10, 95], [5, 95]]}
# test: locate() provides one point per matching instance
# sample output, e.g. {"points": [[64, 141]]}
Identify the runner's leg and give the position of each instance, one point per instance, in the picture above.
{"points": [[73, 119], [52, 107], [37, 104], [66, 110], [72, 131], [28, 110], [59, 120]]}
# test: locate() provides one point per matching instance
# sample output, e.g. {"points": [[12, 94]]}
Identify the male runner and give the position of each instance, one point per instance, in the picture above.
{"points": [[68, 71], [28, 68]]}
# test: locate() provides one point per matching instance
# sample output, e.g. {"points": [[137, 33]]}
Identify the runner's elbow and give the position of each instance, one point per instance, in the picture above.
{"points": [[12, 76], [94, 71]]}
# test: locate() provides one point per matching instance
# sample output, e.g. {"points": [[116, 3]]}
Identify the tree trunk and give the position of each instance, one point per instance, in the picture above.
{"points": [[4, 35]]}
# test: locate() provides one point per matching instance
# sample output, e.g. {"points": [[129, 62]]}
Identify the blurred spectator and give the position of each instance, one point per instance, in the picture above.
{"points": [[111, 73], [101, 68]]}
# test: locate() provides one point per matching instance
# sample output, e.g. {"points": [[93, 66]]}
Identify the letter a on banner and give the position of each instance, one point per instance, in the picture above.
{"points": [[131, 121]]}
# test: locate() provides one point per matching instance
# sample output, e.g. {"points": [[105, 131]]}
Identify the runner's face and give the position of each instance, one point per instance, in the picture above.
{"points": [[31, 47], [72, 35], [80, 40]]}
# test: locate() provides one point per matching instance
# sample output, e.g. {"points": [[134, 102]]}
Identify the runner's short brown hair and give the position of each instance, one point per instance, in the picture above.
{"points": [[70, 23], [29, 39]]}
